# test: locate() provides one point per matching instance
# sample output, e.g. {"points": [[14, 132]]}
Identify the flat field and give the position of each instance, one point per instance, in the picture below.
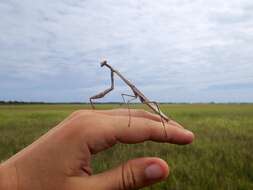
{"points": [[221, 156]]}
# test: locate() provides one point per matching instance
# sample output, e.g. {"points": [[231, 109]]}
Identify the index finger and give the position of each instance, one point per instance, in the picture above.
{"points": [[104, 131]]}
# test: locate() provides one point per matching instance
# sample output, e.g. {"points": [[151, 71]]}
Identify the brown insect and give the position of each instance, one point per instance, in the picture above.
{"points": [[136, 94]]}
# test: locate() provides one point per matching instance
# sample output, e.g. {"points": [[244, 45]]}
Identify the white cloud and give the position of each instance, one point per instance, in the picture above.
{"points": [[183, 47]]}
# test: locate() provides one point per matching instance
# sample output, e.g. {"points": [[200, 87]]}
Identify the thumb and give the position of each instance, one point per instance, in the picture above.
{"points": [[133, 174]]}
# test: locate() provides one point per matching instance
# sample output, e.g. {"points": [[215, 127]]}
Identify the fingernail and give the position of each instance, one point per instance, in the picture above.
{"points": [[154, 171], [188, 132]]}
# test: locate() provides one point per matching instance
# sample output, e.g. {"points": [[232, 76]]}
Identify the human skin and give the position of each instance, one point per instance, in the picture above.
{"points": [[61, 159]]}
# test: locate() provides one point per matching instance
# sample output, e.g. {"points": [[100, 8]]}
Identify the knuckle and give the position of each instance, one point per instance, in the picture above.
{"points": [[128, 177], [80, 118], [78, 113]]}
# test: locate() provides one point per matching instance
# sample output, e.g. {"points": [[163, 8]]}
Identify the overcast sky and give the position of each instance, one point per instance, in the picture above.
{"points": [[172, 50]]}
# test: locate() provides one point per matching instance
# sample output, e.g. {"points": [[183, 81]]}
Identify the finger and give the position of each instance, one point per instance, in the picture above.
{"points": [[133, 113], [143, 129], [134, 174], [109, 130]]}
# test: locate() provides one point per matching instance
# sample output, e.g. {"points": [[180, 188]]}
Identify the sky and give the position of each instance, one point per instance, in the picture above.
{"points": [[173, 51]]}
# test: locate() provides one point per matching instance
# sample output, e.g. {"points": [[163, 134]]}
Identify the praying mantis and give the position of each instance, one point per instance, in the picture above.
{"points": [[136, 94]]}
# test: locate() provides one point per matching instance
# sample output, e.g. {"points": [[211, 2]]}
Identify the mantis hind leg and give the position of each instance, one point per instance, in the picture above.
{"points": [[129, 113]]}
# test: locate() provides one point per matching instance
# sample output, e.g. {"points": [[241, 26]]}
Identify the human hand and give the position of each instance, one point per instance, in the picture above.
{"points": [[61, 158]]}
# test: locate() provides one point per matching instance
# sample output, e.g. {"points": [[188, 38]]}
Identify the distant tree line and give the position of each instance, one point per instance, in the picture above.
{"points": [[19, 102], [41, 102]]}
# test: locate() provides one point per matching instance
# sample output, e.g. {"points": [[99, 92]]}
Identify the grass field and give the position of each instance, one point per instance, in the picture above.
{"points": [[221, 156]]}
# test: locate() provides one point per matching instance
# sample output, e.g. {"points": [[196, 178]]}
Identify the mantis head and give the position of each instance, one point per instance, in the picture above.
{"points": [[102, 63]]}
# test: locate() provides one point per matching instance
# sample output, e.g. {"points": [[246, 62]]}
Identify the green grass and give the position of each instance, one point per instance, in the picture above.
{"points": [[221, 156]]}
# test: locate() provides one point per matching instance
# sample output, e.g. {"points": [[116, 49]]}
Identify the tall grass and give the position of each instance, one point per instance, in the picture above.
{"points": [[221, 156]]}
